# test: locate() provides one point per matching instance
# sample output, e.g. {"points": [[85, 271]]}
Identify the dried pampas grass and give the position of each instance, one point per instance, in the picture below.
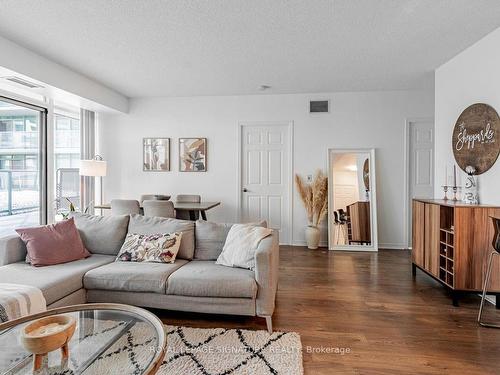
{"points": [[314, 196]]}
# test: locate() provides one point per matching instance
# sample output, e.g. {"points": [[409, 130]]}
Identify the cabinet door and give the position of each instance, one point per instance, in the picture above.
{"points": [[431, 239], [473, 244], [418, 225]]}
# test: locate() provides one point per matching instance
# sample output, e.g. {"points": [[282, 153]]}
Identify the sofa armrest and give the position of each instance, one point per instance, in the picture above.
{"points": [[267, 260], [12, 250]]}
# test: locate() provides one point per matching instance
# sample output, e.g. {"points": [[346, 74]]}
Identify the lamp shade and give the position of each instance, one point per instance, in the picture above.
{"points": [[95, 168]]}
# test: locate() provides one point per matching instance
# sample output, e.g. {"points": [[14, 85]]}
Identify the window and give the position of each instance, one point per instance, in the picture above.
{"points": [[5, 126], [22, 165]]}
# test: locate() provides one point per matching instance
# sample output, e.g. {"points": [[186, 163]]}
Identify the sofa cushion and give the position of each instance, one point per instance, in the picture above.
{"points": [[53, 244], [102, 234], [154, 225], [211, 237], [204, 278], [55, 281], [132, 276]]}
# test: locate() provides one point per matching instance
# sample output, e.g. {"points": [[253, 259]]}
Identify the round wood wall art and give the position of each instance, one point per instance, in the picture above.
{"points": [[475, 138], [366, 174]]}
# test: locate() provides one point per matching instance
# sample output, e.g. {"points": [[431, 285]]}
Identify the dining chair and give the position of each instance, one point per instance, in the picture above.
{"points": [[158, 208], [125, 207], [336, 223], [187, 198], [343, 225]]}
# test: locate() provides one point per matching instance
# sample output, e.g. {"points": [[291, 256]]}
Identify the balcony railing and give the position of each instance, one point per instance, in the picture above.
{"points": [[19, 191]]}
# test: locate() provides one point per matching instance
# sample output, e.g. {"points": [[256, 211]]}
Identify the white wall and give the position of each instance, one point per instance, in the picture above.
{"points": [[472, 76], [356, 120]]}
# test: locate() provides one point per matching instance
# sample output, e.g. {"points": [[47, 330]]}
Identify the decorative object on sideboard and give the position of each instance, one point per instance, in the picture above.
{"points": [[192, 154], [445, 189], [315, 198], [156, 154], [455, 188], [471, 193], [45, 335], [474, 138]]}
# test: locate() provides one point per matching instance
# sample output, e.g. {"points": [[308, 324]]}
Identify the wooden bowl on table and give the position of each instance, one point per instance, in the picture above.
{"points": [[47, 334]]}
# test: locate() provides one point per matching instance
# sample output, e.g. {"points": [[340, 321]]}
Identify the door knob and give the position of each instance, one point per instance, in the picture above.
{"points": [[245, 190]]}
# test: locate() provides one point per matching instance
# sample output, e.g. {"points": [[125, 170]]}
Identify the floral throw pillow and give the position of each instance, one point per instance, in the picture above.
{"points": [[160, 248]]}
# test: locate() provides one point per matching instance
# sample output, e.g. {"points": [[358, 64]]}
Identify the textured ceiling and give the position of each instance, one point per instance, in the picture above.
{"points": [[223, 47]]}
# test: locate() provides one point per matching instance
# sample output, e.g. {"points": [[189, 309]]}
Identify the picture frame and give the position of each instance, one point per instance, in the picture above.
{"points": [[192, 154], [156, 154]]}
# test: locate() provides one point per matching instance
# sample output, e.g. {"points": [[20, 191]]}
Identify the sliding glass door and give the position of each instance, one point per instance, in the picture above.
{"points": [[23, 165]]}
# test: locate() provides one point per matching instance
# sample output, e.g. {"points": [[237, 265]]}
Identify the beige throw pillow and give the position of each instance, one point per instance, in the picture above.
{"points": [[241, 244]]}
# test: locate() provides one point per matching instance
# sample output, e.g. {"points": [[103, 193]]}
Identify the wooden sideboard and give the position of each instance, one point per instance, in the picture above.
{"points": [[452, 242], [358, 223]]}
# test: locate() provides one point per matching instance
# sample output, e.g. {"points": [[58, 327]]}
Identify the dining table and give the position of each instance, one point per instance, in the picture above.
{"points": [[191, 207]]}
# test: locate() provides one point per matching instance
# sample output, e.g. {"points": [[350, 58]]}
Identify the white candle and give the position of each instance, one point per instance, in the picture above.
{"points": [[445, 175], [454, 175]]}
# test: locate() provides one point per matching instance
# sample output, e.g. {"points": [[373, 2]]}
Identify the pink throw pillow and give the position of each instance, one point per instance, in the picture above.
{"points": [[53, 244]]}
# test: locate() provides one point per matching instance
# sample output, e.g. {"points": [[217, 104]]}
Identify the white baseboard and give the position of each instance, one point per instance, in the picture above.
{"points": [[392, 246], [303, 243]]}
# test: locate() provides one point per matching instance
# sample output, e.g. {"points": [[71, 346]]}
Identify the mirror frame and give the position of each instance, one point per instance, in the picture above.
{"points": [[373, 201]]}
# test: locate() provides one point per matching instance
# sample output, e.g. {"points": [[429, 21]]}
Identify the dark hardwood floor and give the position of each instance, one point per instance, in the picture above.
{"points": [[370, 304]]}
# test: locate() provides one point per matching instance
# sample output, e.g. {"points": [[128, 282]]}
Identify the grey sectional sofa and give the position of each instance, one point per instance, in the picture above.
{"points": [[193, 283]]}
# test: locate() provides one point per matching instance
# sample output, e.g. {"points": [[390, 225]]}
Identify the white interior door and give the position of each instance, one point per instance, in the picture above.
{"points": [[265, 176], [422, 159], [421, 164]]}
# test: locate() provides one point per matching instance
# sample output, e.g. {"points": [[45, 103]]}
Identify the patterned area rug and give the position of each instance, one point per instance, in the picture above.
{"points": [[216, 351], [231, 351], [190, 351]]}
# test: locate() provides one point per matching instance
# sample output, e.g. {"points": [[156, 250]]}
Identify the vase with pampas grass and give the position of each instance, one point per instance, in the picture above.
{"points": [[314, 195]]}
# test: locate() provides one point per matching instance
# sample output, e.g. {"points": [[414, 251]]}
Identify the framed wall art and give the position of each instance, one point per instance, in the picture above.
{"points": [[192, 154], [156, 154]]}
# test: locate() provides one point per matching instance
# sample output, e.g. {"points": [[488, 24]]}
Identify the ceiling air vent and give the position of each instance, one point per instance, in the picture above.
{"points": [[319, 106], [23, 82]]}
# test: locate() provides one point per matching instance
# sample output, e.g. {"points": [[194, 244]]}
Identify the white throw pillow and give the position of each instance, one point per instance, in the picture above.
{"points": [[241, 244]]}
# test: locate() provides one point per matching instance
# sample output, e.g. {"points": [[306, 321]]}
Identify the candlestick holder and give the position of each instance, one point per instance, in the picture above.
{"points": [[456, 189], [445, 189]]}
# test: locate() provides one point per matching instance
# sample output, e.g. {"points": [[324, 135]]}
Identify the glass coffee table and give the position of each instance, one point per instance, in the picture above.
{"points": [[109, 339]]}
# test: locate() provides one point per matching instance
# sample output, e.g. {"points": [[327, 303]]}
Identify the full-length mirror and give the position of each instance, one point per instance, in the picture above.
{"points": [[352, 217]]}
